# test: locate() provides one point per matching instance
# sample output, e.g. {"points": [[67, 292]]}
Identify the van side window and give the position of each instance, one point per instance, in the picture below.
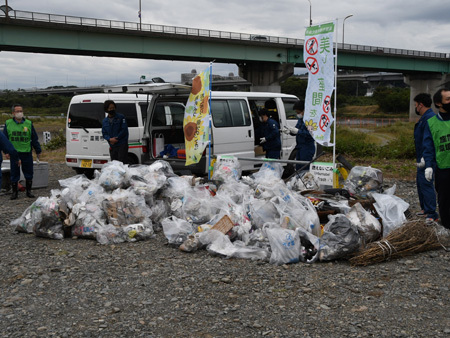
{"points": [[177, 114], [230, 113], [129, 111], [289, 110], [168, 114], [159, 116]]}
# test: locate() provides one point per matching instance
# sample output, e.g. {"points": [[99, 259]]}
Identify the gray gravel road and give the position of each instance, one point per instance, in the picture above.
{"points": [[78, 288]]}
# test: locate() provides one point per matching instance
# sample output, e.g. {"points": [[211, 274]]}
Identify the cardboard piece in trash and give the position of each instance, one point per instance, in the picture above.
{"points": [[224, 225]]}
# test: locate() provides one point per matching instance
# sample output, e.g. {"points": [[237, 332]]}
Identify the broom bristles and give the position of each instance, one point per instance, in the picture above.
{"points": [[413, 237]]}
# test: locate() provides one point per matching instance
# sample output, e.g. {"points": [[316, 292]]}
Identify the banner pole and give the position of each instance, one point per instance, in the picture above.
{"points": [[210, 124], [335, 94]]}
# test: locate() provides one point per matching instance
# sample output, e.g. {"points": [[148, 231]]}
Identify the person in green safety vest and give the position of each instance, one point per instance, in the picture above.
{"points": [[21, 133], [436, 143]]}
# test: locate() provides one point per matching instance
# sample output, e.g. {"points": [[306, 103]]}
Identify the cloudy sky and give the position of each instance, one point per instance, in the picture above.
{"points": [[408, 24]]}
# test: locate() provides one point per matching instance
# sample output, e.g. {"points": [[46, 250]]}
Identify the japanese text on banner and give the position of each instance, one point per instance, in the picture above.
{"points": [[196, 118], [319, 60]]}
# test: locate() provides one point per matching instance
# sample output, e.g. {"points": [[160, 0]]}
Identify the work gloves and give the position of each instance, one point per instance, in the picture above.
{"points": [[429, 174], [290, 130], [294, 130], [420, 164]]}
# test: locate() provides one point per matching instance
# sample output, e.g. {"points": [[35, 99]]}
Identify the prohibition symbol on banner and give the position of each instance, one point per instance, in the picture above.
{"points": [[312, 46], [326, 104], [312, 65], [324, 122]]}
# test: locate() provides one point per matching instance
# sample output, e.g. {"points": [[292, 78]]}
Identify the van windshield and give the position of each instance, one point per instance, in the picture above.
{"points": [[86, 115]]}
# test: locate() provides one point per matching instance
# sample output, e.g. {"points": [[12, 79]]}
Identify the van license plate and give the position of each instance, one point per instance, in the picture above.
{"points": [[86, 163]]}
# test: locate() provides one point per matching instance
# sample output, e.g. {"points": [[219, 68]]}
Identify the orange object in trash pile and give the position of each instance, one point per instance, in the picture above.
{"points": [[181, 153]]}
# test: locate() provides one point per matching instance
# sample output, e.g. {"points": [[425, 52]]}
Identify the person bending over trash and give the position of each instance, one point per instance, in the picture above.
{"points": [[270, 131]]}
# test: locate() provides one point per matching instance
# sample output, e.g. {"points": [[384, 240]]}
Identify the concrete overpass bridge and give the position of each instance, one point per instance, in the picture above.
{"points": [[263, 60]]}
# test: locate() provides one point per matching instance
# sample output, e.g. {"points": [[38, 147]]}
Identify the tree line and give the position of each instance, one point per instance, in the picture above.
{"points": [[389, 99]]}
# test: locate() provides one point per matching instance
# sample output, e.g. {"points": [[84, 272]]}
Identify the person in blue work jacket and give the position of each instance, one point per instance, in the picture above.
{"points": [[22, 135], [115, 131], [270, 131], [305, 142], [7, 148], [436, 150], [425, 189]]}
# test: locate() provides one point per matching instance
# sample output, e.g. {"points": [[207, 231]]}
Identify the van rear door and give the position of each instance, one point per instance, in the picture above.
{"points": [[84, 124]]}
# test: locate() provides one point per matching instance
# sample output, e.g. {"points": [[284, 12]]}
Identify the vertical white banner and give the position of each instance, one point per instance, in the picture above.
{"points": [[319, 60]]}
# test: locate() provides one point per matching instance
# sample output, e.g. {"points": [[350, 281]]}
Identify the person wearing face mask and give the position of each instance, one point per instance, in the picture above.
{"points": [[22, 135], [305, 142], [436, 144], [270, 131], [425, 188], [115, 131]]}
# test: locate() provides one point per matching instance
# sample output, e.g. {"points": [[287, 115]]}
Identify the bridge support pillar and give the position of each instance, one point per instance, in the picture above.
{"points": [[265, 76], [423, 83]]}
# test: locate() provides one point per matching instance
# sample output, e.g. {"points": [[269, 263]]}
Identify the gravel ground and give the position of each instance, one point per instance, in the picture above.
{"points": [[78, 288]]}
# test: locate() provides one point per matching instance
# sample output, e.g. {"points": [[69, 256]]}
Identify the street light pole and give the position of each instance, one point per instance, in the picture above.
{"points": [[310, 19], [140, 16], [343, 23]]}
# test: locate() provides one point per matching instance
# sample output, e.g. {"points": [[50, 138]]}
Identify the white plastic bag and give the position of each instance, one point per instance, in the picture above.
{"points": [[158, 144], [368, 226], [226, 168], [285, 245], [176, 230], [391, 209]]}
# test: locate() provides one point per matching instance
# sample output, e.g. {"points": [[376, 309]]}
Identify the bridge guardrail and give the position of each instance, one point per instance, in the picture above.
{"points": [[113, 24]]}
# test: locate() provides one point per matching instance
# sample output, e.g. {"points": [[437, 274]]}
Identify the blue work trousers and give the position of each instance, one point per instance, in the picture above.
{"points": [[27, 167], [443, 192], [273, 154], [427, 194], [304, 153]]}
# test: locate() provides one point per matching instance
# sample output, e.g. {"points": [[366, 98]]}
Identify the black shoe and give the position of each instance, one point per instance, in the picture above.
{"points": [[15, 191], [28, 185]]}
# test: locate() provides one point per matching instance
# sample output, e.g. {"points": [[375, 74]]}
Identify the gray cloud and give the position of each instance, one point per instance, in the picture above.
{"points": [[408, 24]]}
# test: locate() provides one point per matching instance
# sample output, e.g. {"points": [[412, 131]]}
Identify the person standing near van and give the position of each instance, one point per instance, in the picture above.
{"points": [[22, 135], [115, 131], [270, 131], [436, 149], [305, 142], [425, 189]]}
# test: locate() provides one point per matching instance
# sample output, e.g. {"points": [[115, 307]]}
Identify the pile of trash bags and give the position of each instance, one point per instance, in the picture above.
{"points": [[258, 217]]}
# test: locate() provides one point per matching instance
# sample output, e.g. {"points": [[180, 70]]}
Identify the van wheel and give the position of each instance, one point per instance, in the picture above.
{"points": [[132, 159], [290, 168]]}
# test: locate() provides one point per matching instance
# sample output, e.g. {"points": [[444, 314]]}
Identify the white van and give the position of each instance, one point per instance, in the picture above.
{"points": [[235, 124], [155, 116], [86, 150]]}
